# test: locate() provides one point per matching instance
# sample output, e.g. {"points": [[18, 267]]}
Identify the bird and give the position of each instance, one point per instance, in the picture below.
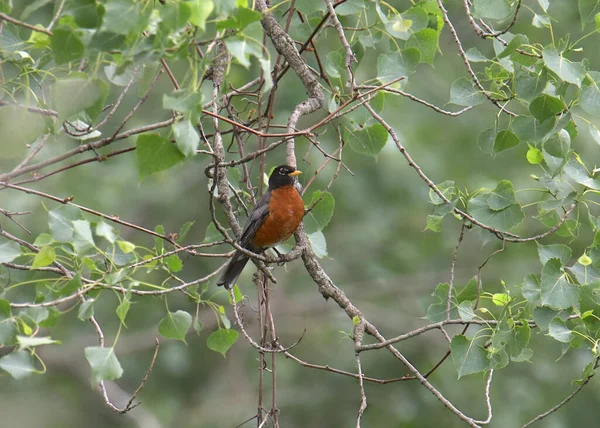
{"points": [[276, 216]]}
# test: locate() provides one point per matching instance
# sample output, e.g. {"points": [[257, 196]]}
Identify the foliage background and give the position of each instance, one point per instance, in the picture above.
{"points": [[378, 253]]}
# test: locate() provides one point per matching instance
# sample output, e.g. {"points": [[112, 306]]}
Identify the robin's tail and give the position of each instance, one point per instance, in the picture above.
{"points": [[233, 270]]}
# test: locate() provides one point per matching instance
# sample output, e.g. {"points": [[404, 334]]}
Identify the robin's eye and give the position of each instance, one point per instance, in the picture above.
{"points": [[282, 172]]}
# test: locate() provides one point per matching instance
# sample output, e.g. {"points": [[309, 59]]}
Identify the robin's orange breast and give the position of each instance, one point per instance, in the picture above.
{"points": [[286, 210]]}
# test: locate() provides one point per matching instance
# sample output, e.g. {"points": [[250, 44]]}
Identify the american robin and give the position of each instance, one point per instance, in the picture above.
{"points": [[274, 219]]}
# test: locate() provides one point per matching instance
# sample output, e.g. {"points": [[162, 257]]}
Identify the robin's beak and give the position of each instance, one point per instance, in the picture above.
{"points": [[295, 173]]}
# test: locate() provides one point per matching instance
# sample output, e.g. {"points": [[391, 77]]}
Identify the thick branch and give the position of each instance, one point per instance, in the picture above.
{"points": [[285, 46]]}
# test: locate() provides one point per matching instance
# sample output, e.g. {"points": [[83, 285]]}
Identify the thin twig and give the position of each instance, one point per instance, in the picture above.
{"points": [[565, 401], [12, 20]]}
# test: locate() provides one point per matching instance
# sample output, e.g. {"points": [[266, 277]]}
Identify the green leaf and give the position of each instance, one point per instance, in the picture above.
{"points": [[543, 315], [334, 64], [540, 21], [473, 55], [73, 95], [183, 231], [545, 106], [94, 110], [18, 127], [175, 16], [32, 341], [126, 247], [436, 312], [240, 20], [559, 331], [237, 294], [465, 310], [221, 340], [186, 137], [534, 156], [36, 315], [123, 309], [516, 42], [8, 329], [350, 7], [426, 42], [491, 9], [464, 93], [531, 290], [409, 22], [447, 188], [493, 207], [321, 214], [367, 141], [19, 364], [126, 16], [9, 251], [44, 257], [175, 325], [486, 140], [576, 170], [155, 153], [502, 196], [554, 251], [434, 223], [104, 363], [174, 263], [568, 71], [589, 98], [468, 357], [311, 7], [505, 140], [530, 85], [86, 13], [212, 234], [82, 236], [588, 9], [197, 325], [241, 49], [200, 11], [70, 287], [86, 310], [105, 41], [527, 128], [500, 299], [183, 101], [66, 45], [468, 292], [392, 65], [556, 291], [106, 231], [318, 244], [60, 222], [584, 260]]}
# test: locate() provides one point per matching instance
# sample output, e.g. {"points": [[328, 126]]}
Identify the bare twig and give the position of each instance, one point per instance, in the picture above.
{"points": [[56, 15], [565, 401], [452, 266], [12, 20]]}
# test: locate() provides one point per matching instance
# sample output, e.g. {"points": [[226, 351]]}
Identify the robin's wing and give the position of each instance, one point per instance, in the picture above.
{"points": [[256, 219]]}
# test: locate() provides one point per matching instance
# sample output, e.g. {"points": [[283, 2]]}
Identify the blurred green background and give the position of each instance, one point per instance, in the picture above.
{"points": [[379, 254]]}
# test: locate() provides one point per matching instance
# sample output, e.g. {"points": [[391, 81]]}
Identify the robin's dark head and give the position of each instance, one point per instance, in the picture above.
{"points": [[283, 175]]}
